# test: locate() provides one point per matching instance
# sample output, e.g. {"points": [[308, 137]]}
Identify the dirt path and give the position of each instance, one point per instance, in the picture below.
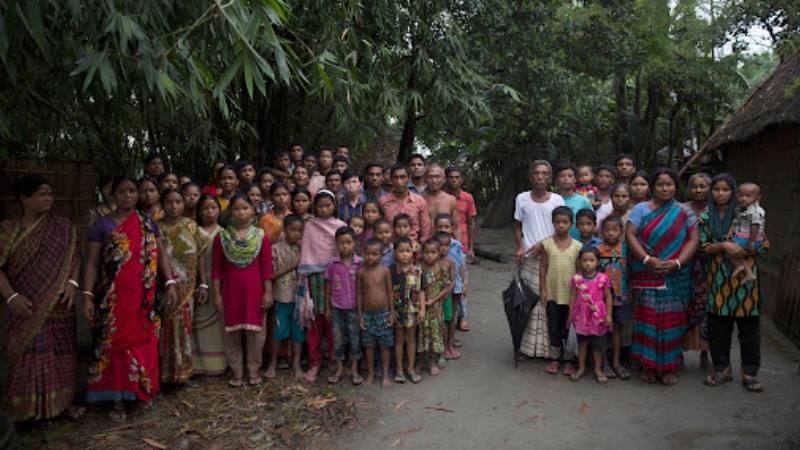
{"points": [[481, 401]]}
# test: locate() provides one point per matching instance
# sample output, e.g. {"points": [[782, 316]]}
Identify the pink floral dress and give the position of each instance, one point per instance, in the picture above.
{"points": [[589, 309]]}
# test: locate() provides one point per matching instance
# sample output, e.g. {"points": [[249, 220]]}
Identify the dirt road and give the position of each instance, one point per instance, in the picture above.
{"points": [[481, 401]]}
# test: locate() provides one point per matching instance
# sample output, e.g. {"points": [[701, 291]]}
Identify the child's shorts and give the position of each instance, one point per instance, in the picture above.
{"points": [[286, 325], [345, 331], [407, 315], [599, 343], [743, 242], [621, 311], [378, 330], [448, 308]]}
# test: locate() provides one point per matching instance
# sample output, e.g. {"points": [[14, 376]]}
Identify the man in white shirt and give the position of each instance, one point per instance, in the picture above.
{"points": [[533, 215]]}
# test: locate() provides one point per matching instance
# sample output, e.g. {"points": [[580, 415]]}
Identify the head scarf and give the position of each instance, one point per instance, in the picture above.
{"points": [[719, 226]]}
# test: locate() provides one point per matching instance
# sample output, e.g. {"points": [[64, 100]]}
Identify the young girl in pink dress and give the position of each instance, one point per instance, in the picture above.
{"points": [[590, 311]]}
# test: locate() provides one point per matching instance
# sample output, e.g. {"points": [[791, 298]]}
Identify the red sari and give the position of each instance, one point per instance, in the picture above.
{"points": [[125, 326], [41, 349]]}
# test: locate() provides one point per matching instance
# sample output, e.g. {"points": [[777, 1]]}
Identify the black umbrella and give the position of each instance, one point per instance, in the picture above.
{"points": [[518, 301]]}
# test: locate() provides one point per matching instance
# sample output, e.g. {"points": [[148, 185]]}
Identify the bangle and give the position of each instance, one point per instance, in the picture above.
{"points": [[74, 283], [203, 286], [89, 293], [12, 297], [678, 262], [170, 282], [646, 258]]}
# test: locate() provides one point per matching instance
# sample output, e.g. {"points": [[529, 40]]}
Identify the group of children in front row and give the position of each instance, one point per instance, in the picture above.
{"points": [[353, 285]]}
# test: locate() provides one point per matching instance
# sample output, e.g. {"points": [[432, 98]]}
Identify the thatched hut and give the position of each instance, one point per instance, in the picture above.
{"points": [[760, 142]]}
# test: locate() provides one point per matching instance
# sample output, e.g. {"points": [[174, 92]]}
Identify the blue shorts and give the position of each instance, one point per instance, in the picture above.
{"points": [[377, 324], [743, 242], [286, 325]]}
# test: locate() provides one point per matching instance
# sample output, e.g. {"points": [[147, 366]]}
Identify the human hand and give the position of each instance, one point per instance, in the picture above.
{"points": [[535, 249], [172, 297], [653, 263], [361, 323], [266, 300], [21, 306], [471, 256], [390, 322], [218, 303], [68, 296], [328, 313], [88, 307], [608, 321], [202, 296], [520, 255], [421, 316]]}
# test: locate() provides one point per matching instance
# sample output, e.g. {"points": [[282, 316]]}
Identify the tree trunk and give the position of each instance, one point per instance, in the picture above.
{"points": [[622, 140], [501, 210], [409, 132]]}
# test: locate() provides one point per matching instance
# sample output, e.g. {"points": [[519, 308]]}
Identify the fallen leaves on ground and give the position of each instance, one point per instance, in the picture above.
{"points": [[279, 413]]}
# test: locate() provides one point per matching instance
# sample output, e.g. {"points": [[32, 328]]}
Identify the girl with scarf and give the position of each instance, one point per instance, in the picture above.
{"points": [[242, 279], [318, 248]]}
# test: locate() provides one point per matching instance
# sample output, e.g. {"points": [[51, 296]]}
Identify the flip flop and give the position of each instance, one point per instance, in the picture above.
{"points": [[457, 343], [399, 378], [441, 362], [609, 372], [575, 376], [553, 368], [669, 379], [622, 373], [357, 380], [414, 377], [601, 379], [717, 379], [569, 369], [255, 381], [236, 383], [452, 355], [752, 384], [118, 415], [334, 379]]}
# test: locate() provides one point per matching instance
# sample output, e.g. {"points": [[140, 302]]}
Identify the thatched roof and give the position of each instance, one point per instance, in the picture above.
{"points": [[770, 104]]}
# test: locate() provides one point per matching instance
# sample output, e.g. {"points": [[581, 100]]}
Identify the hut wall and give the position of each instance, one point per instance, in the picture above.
{"points": [[772, 160]]}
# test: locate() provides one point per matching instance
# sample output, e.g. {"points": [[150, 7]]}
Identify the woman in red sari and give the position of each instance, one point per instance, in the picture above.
{"points": [[124, 253], [38, 268]]}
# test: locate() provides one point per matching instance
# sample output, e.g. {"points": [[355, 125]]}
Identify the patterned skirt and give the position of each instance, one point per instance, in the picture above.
{"points": [[431, 331], [659, 325], [535, 340]]}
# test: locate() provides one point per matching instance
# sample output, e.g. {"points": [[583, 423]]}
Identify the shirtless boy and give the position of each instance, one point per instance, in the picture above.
{"points": [[375, 309], [439, 201]]}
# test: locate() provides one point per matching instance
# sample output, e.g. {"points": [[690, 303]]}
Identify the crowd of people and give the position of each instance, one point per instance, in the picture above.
{"points": [[313, 260], [306, 261], [620, 263]]}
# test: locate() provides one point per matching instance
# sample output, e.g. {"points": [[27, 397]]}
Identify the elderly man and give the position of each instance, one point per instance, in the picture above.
{"points": [[534, 223]]}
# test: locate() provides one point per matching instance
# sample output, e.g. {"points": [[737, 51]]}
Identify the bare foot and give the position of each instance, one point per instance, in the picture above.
{"points": [[748, 278], [368, 380], [298, 373], [386, 384], [270, 372]]}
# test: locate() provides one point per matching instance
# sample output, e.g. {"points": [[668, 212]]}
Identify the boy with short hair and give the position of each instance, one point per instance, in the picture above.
{"points": [[282, 165], [333, 183], [382, 230], [353, 198], [265, 178], [246, 173], [341, 304], [565, 182], [285, 259], [443, 224], [375, 310], [614, 263], [586, 220], [340, 163]]}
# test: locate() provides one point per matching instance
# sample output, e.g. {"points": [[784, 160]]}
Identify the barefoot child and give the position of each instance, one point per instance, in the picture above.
{"points": [[341, 307], [590, 312], [747, 228], [318, 248], [439, 285], [375, 310], [242, 280], [285, 259], [559, 253], [614, 263], [443, 223], [409, 302]]}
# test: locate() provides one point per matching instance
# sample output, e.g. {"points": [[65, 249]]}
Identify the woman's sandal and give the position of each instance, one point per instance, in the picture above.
{"points": [[441, 362], [118, 415], [414, 377], [399, 378], [621, 372], [717, 379], [752, 384], [669, 379], [649, 375]]}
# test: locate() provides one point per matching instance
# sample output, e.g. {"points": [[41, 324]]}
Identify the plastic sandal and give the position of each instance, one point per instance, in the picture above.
{"points": [[399, 378], [414, 377]]}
